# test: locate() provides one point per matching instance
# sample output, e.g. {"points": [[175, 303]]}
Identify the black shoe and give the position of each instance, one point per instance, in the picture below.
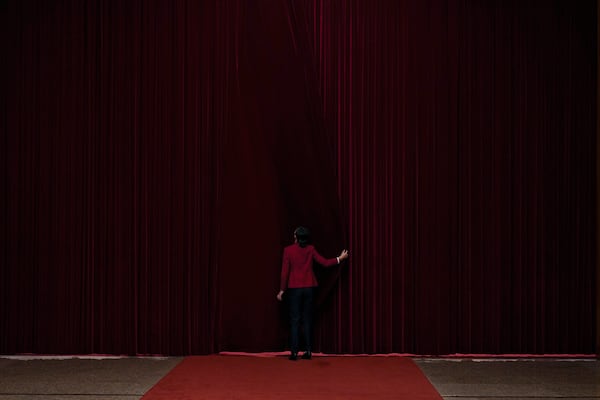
{"points": [[307, 355], [293, 356]]}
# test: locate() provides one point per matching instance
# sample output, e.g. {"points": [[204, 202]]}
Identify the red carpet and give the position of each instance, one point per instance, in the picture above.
{"points": [[240, 377]]}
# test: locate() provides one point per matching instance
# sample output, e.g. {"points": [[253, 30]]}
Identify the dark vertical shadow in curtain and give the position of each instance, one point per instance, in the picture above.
{"points": [[279, 173]]}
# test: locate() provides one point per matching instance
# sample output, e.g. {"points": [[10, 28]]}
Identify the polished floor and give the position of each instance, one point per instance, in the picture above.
{"points": [[129, 378]]}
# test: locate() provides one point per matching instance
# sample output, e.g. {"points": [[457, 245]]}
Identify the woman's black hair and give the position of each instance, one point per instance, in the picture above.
{"points": [[302, 236]]}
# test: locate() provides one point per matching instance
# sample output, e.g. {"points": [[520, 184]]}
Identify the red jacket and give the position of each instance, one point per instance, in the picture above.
{"points": [[296, 269]]}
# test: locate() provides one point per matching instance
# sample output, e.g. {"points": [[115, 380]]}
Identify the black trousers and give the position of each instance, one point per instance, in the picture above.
{"points": [[301, 305]]}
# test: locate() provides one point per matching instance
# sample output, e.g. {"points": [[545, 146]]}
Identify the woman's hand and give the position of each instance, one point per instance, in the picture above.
{"points": [[280, 295], [343, 255]]}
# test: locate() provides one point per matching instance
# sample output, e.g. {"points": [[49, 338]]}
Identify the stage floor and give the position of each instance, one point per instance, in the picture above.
{"points": [[468, 379], [464, 379]]}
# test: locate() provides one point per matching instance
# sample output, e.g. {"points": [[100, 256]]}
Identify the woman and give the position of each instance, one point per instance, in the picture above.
{"points": [[298, 280]]}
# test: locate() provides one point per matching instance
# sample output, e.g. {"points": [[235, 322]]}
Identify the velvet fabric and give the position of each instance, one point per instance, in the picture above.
{"points": [[157, 155]]}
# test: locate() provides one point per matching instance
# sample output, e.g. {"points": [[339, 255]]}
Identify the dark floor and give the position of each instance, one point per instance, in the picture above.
{"points": [[129, 378], [81, 379], [513, 379]]}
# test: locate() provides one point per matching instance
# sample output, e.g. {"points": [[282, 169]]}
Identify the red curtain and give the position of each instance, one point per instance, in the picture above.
{"points": [[157, 155], [466, 159]]}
